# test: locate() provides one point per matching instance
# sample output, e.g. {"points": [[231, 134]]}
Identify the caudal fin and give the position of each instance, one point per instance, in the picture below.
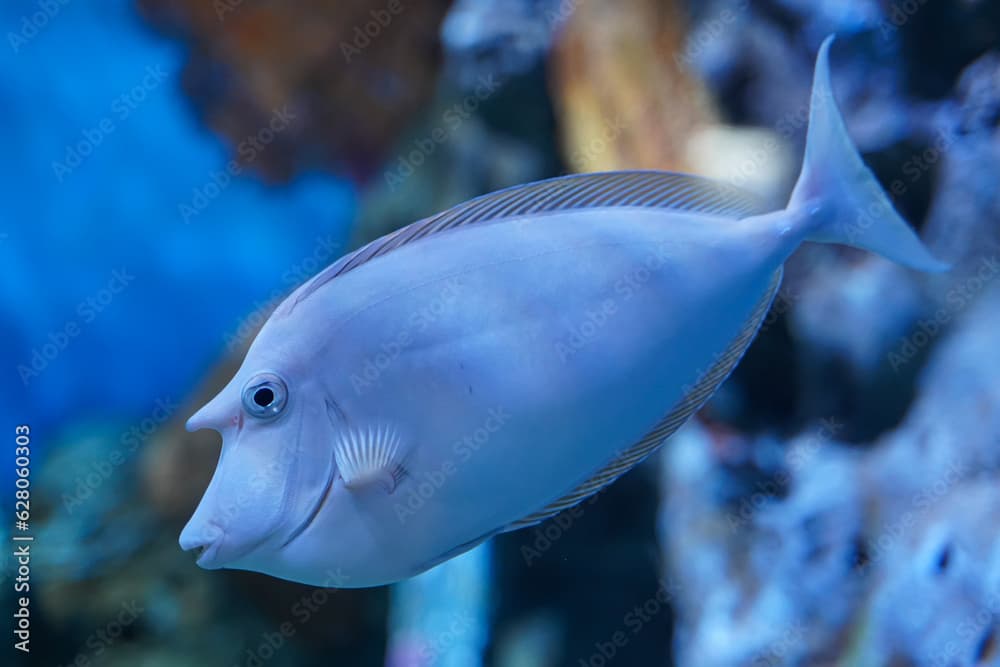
{"points": [[849, 205]]}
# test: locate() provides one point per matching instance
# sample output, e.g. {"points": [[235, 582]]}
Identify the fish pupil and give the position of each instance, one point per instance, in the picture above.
{"points": [[263, 397]]}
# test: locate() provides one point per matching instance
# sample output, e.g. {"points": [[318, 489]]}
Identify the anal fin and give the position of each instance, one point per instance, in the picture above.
{"points": [[456, 551]]}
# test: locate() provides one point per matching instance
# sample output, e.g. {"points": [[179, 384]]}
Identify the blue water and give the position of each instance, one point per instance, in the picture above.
{"points": [[119, 299]]}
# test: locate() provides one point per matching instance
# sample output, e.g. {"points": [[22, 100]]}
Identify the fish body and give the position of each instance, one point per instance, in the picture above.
{"points": [[488, 367], [485, 343]]}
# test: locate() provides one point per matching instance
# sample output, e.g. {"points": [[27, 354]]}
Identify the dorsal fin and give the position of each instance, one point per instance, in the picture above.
{"points": [[694, 399], [649, 189]]}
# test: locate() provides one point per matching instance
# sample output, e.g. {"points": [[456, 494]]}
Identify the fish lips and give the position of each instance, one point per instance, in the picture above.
{"points": [[213, 547], [207, 556], [206, 543]]}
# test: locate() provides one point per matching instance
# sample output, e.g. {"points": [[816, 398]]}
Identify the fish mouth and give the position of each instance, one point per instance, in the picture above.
{"points": [[205, 555], [208, 556], [317, 506], [204, 547]]}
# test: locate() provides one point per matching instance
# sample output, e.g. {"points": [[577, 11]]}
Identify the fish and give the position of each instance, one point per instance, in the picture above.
{"points": [[486, 368]]}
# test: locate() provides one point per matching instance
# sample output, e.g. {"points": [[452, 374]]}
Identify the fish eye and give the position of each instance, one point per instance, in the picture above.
{"points": [[264, 396]]}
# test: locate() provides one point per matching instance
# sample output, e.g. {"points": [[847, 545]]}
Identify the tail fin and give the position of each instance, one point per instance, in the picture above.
{"points": [[850, 206]]}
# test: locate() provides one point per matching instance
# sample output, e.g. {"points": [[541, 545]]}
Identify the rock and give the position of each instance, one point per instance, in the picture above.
{"points": [[352, 74]]}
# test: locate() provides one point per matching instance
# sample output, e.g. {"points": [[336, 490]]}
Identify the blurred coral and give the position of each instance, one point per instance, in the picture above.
{"points": [[626, 99], [354, 73]]}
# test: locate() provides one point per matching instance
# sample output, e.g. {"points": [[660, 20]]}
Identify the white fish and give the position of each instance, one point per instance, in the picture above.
{"points": [[483, 369]]}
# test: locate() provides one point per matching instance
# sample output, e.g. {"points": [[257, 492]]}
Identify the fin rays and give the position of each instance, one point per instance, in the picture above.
{"points": [[370, 455], [650, 189]]}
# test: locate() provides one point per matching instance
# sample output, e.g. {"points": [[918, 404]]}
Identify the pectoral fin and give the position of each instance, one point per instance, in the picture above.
{"points": [[370, 456]]}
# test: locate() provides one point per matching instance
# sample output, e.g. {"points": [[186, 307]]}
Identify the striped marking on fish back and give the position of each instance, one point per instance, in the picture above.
{"points": [[647, 189], [692, 401]]}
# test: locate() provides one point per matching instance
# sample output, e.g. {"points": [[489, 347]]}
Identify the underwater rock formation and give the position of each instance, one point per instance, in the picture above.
{"points": [[487, 38], [869, 536], [355, 71], [870, 555]]}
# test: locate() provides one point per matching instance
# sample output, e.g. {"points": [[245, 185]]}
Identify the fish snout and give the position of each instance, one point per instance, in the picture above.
{"points": [[194, 424], [205, 540], [219, 413], [201, 420]]}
